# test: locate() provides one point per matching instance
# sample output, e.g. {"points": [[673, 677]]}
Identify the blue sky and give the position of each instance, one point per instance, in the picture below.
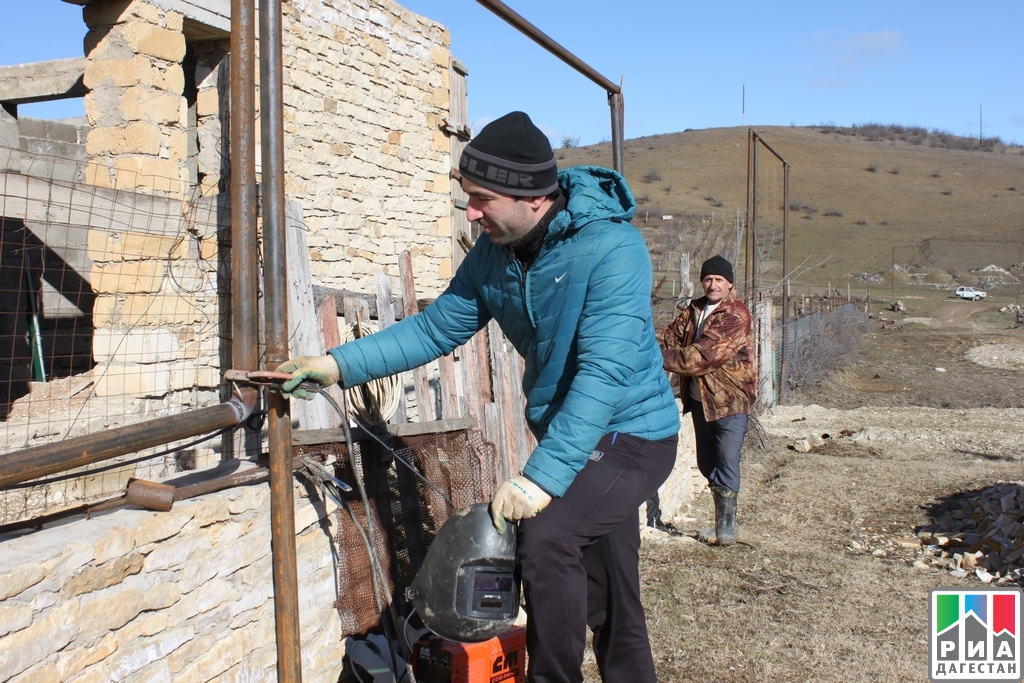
{"points": [[951, 66]]}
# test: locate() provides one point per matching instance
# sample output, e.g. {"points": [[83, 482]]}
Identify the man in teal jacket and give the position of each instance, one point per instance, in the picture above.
{"points": [[569, 281]]}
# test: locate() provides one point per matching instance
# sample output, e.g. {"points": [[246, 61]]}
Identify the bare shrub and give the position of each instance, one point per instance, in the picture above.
{"points": [[713, 200], [862, 221], [569, 142], [652, 176], [833, 213], [895, 170], [873, 168], [948, 191]]}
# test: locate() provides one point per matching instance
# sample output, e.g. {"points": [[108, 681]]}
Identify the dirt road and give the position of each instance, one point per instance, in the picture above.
{"points": [[830, 580]]}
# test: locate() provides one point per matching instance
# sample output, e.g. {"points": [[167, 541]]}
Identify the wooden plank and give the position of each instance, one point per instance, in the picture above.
{"points": [[320, 293], [386, 318], [424, 399], [303, 336], [309, 437], [450, 404], [503, 399], [469, 364], [332, 337], [492, 430]]}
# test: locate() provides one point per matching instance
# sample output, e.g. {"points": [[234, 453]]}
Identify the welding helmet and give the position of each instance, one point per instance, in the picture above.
{"points": [[466, 589]]}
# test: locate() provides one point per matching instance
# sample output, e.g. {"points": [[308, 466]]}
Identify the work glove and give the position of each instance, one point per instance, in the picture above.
{"points": [[320, 369], [517, 498]]}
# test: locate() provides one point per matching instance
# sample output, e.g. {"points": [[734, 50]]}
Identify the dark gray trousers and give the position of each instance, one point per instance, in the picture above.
{"points": [[718, 446], [579, 563]]}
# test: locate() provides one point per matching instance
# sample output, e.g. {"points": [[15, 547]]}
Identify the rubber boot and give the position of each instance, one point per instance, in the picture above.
{"points": [[725, 516], [724, 532]]}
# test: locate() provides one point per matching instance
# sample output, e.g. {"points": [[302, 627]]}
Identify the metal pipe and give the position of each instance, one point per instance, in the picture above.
{"points": [[747, 251], [549, 44], [61, 456], [782, 391], [244, 248], [618, 118], [282, 503]]}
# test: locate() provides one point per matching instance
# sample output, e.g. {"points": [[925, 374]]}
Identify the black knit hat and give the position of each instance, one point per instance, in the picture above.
{"points": [[716, 265], [510, 155]]}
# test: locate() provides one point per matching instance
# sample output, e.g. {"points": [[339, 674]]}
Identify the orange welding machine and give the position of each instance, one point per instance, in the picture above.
{"points": [[501, 658]]}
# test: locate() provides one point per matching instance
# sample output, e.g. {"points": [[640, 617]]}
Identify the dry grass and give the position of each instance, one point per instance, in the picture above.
{"points": [[792, 601]]}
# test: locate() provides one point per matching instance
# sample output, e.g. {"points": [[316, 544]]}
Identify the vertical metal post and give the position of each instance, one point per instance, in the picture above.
{"points": [[617, 105], [282, 503], [747, 252], [782, 392], [244, 248], [753, 231]]}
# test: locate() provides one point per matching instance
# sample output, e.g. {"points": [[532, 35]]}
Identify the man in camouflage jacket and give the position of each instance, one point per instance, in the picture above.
{"points": [[710, 347]]}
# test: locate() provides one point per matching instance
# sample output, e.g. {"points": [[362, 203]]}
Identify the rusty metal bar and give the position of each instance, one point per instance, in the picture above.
{"points": [[244, 249], [618, 125], [748, 253], [549, 44], [282, 503], [753, 141], [782, 392], [61, 456]]}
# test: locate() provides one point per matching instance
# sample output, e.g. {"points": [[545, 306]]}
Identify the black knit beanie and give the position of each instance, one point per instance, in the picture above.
{"points": [[716, 265], [511, 156]]}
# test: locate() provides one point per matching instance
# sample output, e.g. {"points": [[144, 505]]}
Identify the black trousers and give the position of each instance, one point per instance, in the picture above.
{"points": [[579, 562]]}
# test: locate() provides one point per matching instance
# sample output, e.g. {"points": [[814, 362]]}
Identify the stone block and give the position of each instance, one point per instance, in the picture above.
{"points": [[171, 79], [141, 104], [99, 175], [127, 277], [134, 380], [122, 73], [156, 345], [30, 646], [149, 174], [152, 40], [97, 577], [136, 138]]}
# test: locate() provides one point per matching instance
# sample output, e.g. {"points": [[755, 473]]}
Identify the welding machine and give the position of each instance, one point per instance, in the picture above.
{"points": [[502, 658]]}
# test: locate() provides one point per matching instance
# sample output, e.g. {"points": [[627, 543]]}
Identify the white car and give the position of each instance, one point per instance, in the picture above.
{"points": [[970, 293]]}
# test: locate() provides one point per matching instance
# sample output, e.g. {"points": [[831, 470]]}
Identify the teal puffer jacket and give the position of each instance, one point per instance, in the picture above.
{"points": [[581, 318]]}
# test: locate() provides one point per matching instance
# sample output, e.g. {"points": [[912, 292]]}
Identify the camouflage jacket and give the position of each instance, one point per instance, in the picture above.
{"points": [[722, 361]]}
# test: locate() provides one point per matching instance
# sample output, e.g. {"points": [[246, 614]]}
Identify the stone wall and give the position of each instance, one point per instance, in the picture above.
{"points": [[183, 596], [366, 93]]}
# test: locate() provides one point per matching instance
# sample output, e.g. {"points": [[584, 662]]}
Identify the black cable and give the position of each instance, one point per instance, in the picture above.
{"points": [[377, 572], [437, 489]]}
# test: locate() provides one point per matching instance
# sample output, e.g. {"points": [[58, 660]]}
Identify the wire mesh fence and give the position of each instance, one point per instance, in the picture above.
{"points": [[819, 342], [113, 311], [406, 512]]}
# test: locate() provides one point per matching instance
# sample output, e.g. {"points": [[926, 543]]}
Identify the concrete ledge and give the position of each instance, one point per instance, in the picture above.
{"points": [[56, 79]]}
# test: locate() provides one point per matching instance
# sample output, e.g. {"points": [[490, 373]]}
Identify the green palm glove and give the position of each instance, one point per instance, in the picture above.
{"points": [[320, 369], [518, 498]]}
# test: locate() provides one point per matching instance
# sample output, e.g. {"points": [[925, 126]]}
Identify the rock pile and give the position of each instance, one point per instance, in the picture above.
{"points": [[983, 537]]}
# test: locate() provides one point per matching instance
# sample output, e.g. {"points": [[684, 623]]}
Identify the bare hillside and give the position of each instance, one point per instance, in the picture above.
{"points": [[855, 205]]}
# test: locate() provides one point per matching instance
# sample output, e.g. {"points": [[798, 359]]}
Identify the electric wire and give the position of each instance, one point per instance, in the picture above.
{"points": [[389, 622], [369, 432]]}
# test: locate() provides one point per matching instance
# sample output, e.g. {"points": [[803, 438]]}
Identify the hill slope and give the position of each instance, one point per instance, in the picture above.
{"points": [[856, 205]]}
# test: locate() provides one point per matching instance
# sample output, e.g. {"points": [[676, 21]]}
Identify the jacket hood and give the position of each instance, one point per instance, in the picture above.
{"points": [[596, 193]]}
